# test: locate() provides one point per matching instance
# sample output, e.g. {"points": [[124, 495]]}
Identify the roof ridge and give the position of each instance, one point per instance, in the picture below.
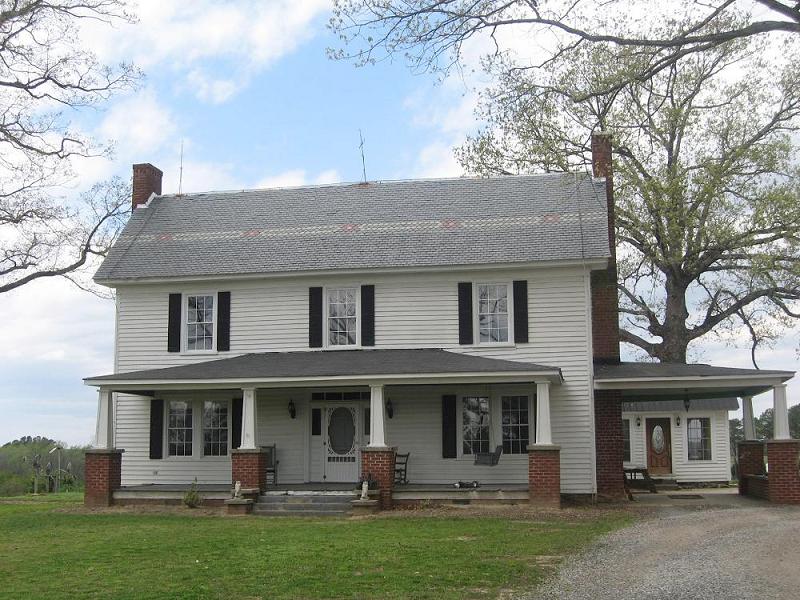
{"points": [[357, 184]]}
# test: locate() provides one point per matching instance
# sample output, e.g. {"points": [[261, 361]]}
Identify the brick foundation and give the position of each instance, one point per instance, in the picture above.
{"points": [[750, 456], [249, 467], [784, 471], [378, 463], [103, 476], [544, 475], [608, 444]]}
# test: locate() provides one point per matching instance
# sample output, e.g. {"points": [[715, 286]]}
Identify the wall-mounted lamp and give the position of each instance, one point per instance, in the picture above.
{"points": [[638, 421], [292, 409], [678, 420], [389, 408], [686, 401]]}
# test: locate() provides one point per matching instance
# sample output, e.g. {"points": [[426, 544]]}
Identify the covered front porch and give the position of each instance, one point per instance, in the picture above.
{"points": [[303, 429]]}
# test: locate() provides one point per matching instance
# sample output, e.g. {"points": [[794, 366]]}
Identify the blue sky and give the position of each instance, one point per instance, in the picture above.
{"points": [[248, 89]]}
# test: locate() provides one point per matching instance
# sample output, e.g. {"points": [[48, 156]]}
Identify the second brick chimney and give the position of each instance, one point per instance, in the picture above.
{"points": [[146, 182], [605, 305]]}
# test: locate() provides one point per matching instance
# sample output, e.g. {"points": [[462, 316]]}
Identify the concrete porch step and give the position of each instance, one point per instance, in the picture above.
{"points": [[306, 499], [311, 504], [305, 513]]}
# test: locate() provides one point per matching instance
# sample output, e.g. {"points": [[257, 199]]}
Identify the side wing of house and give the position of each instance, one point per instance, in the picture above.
{"points": [[411, 310]]}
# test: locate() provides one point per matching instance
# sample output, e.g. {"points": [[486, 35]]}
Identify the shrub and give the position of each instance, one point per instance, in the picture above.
{"points": [[192, 497]]}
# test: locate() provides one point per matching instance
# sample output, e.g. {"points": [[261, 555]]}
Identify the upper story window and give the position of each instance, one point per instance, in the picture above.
{"points": [[492, 313], [699, 438], [342, 316], [199, 322]]}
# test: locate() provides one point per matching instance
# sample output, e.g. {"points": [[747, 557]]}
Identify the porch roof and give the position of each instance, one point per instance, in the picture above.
{"points": [[345, 367], [675, 381]]}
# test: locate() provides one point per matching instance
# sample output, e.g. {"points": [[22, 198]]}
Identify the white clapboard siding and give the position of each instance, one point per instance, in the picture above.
{"points": [[716, 469], [411, 310]]}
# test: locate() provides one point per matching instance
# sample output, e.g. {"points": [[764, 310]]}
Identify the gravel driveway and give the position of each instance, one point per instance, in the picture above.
{"points": [[721, 546]]}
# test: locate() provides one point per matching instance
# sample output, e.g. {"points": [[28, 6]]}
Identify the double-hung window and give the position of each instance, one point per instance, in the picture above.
{"points": [[179, 428], [699, 438], [475, 424], [342, 316], [215, 428], [492, 313], [515, 424], [199, 322]]}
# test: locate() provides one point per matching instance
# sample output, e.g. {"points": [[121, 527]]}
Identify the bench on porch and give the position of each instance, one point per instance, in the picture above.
{"points": [[630, 477], [272, 463], [489, 458]]}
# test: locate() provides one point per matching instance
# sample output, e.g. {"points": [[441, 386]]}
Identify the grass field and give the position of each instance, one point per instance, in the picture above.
{"points": [[52, 548]]}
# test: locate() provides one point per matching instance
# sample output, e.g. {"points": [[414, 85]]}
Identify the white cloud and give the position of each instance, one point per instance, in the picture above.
{"points": [[214, 48], [295, 177], [139, 124]]}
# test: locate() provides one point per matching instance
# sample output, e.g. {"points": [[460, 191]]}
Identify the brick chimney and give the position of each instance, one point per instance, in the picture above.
{"points": [[605, 305], [146, 181]]}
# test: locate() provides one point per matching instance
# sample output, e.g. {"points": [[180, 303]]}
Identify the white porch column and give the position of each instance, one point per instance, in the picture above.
{"points": [[104, 432], [780, 413], [544, 436], [377, 431], [747, 418], [248, 419]]}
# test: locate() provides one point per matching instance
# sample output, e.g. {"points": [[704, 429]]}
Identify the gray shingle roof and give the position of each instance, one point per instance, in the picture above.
{"points": [[632, 370], [419, 223], [344, 363], [678, 406]]}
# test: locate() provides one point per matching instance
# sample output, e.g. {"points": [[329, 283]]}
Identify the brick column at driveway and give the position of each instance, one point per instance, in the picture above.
{"points": [[783, 457], [750, 457], [378, 463], [103, 475], [249, 467], [544, 475]]}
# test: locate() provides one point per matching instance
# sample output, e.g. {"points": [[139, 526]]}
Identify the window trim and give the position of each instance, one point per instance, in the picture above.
{"points": [[476, 326], [197, 429], [495, 395], [710, 439], [531, 421], [228, 404], [325, 316], [185, 324], [460, 416], [630, 441]]}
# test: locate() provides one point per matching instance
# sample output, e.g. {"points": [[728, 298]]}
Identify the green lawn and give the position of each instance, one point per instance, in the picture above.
{"points": [[51, 548]]}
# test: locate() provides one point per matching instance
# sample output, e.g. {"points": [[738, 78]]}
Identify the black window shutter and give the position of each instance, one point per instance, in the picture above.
{"points": [[236, 422], [157, 428], [315, 317], [449, 439], [223, 321], [174, 324], [520, 312], [367, 315], [465, 313]]}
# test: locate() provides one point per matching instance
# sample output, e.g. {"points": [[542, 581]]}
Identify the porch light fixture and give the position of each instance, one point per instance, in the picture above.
{"points": [[686, 401], [678, 420], [292, 409], [638, 421], [389, 408]]}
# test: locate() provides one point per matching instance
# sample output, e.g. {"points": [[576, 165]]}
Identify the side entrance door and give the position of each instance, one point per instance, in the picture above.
{"points": [[341, 443], [659, 446]]}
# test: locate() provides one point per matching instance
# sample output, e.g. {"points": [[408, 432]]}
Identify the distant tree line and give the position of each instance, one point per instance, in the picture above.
{"points": [[17, 465], [763, 425]]}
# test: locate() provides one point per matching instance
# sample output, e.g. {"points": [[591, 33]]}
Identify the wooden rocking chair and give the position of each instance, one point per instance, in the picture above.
{"points": [[272, 464], [401, 467], [490, 459]]}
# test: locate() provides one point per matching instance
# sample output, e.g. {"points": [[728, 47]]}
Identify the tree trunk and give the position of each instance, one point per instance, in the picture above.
{"points": [[675, 335]]}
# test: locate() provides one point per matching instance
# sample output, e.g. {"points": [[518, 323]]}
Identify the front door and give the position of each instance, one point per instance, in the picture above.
{"points": [[340, 446], [659, 446]]}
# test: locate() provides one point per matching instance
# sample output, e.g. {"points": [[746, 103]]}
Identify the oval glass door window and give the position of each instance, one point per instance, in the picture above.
{"points": [[341, 430], [658, 439]]}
